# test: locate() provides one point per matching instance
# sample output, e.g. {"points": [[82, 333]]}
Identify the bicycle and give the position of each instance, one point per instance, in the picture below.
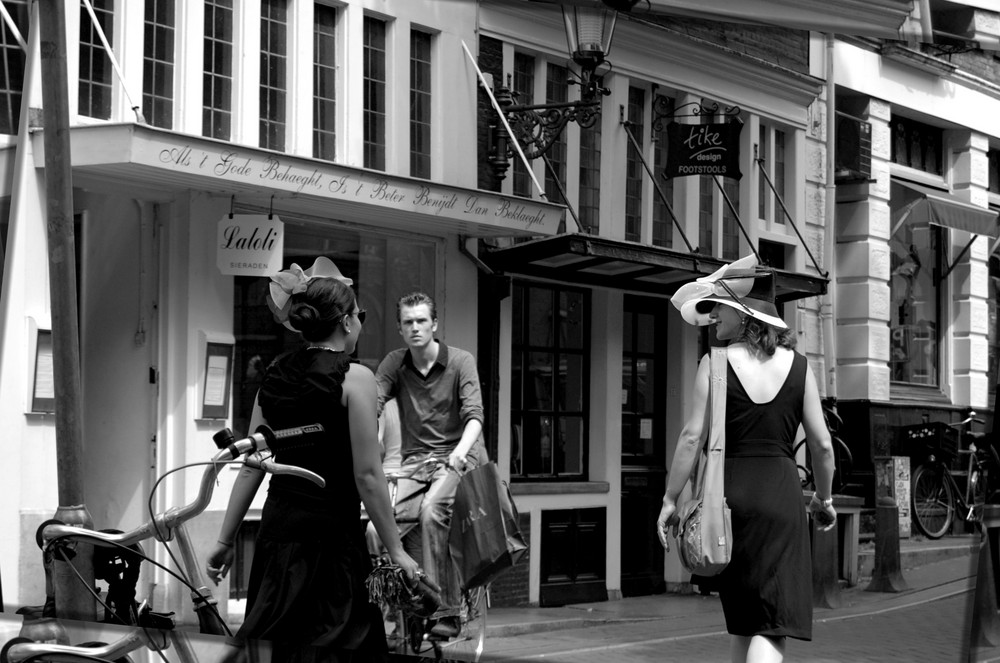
{"points": [[936, 496], [408, 615], [156, 630], [843, 459]]}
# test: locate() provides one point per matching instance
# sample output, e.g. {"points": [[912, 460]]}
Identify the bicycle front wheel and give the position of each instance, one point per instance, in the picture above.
{"points": [[471, 641], [933, 501]]}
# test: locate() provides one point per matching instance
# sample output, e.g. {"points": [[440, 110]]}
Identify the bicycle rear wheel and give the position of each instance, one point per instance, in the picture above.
{"points": [[471, 641], [933, 501]]}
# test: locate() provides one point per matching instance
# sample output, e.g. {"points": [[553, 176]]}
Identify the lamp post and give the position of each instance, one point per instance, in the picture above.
{"points": [[589, 30]]}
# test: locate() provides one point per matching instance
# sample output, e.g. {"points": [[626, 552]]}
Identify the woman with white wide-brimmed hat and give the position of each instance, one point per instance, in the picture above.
{"points": [[766, 589]]}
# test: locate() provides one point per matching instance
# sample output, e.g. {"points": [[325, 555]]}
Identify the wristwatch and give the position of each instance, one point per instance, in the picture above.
{"points": [[827, 503]]}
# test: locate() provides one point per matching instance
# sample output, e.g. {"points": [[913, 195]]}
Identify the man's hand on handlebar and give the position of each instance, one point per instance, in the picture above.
{"points": [[457, 461]]}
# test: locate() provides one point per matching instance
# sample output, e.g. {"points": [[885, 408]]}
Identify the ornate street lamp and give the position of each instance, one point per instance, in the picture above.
{"points": [[589, 29]]}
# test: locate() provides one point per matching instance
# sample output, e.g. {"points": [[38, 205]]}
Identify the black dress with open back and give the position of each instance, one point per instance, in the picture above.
{"points": [[306, 591], [767, 587]]}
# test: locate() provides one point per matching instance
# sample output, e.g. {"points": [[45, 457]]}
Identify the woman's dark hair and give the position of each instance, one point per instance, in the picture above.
{"points": [[764, 338], [316, 312]]}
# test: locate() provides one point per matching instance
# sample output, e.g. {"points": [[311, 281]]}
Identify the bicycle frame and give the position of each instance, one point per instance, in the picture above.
{"points": [[54, 536]]}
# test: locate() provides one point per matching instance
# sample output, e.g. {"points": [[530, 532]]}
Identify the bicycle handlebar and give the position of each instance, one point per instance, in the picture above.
{"points": [[162, 525], [21, 650]]}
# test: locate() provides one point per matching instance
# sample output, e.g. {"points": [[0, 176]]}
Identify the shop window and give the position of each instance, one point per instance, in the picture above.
{"points": [[556, 92], [717, 213], [916, 145], [273, 73], [915, 304], [158, 64], [94, 87], [524, 88], [643, 382], [550, 375], [374, 93], [663, 223], [634, 171], [383, 268], [12, 81], [771, 151], [324, 82], [217, 78], [420, 104]]}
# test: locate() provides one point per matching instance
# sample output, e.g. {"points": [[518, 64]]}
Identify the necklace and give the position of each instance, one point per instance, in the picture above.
{"points": [[324, 347]]}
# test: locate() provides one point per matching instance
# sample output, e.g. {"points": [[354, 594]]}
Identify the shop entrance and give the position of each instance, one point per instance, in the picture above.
{"points": [[643, 477]]}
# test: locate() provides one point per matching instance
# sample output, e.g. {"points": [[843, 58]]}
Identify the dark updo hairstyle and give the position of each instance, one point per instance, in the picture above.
{"points": [[316, 312], [763, 338]]}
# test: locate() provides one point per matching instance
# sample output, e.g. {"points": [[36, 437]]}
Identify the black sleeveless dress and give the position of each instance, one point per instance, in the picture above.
{"points": [[767, 587], [306, 590]]}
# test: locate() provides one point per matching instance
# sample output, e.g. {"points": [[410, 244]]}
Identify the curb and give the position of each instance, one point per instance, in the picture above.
{"points": [[912, 558]]}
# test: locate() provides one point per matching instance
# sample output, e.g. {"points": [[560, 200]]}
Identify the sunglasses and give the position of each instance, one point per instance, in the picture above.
{"points": [[361, 315]]}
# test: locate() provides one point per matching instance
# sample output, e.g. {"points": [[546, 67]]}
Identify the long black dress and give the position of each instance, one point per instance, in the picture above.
{"points": [[767, 587], [306, 590]]}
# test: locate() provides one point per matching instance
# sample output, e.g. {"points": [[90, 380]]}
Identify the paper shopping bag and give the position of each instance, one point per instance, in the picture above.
{"points": [[485, 538]]}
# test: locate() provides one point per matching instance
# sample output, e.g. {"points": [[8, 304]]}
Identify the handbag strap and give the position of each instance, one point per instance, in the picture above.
{"points": [[715, 466]]}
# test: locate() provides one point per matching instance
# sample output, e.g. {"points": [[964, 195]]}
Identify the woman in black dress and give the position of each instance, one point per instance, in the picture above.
{"points": [[766, 589], [306, 591]]}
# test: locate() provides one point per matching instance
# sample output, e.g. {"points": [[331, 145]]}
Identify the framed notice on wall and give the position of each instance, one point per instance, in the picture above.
{"points": [[217, 380], [43, 392]]}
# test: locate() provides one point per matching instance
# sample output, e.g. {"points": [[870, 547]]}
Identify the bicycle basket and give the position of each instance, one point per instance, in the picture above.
{"points": [[933, 437]]}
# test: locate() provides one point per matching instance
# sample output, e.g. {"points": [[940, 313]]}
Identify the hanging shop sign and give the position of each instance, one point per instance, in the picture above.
{"points": [[250, 245], [703, 149]]}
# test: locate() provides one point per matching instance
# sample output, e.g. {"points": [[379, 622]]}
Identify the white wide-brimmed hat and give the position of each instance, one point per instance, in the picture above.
{"points": [[743, 285]]}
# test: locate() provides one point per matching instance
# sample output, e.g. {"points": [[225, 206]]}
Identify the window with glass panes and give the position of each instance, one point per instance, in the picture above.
{"points": [[636, 114], [158, 64], [993, 159], [524, 87], [590, 178], [324, 82], [718, 207], [374, 93], [915, 312], [993, 337], [549, 382], [94, 87], [917, 145], [771, 152], [217, 78], [12, 67], [420, 104], [273, 73], [556, 91], [663, 222], [643, 381]]}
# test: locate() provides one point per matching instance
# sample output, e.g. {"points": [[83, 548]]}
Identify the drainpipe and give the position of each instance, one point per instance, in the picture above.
{"points": [[828, 306], [926, 27]]}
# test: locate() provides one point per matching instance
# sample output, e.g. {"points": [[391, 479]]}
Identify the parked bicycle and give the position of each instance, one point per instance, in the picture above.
{"points": [[156, 630], [936, 495], [843, 460], [408, 614]]}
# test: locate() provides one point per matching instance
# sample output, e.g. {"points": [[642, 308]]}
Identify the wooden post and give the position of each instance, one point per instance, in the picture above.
{"points": [[886, 576], [73, 600]]}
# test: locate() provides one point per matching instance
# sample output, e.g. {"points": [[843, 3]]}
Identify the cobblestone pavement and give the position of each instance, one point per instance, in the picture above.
{"points": [[929, 631]]}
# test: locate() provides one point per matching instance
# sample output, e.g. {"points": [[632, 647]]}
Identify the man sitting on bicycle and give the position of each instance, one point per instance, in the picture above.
{"points": [[441, 416]]}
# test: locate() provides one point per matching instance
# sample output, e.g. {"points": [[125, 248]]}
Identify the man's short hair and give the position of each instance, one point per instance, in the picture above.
{"points": [[415, 299]]}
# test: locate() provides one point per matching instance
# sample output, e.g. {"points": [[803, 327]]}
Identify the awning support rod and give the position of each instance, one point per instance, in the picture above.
{"points": [[767, 178], [656, 185], [958, 258], [736, 215], [562, 193]]}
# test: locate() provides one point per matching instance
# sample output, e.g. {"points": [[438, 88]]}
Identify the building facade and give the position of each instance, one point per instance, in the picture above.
{"points": [[359, 131]]}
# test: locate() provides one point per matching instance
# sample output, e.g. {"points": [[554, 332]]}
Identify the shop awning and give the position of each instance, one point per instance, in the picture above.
{"points": [[154, 163], [602, 262], [918, 204]]}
